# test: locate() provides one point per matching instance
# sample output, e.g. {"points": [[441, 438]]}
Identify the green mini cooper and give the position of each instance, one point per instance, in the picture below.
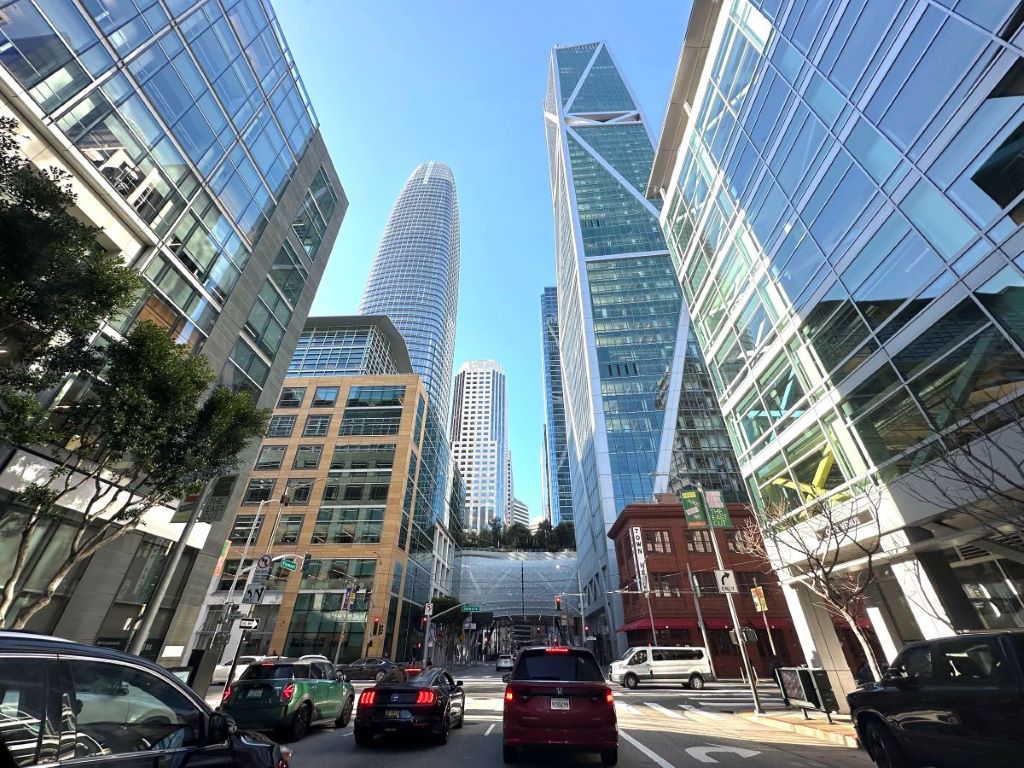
{"points": [[289, 696]]}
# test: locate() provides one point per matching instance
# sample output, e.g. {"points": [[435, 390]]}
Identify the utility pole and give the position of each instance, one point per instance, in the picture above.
{"points": [[700, 616], [177, 550]]}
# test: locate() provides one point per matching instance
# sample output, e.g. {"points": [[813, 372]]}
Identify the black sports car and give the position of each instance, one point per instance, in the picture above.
{"points": [[430, 704]]}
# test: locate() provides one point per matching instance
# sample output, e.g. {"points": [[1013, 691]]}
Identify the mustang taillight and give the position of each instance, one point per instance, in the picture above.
{"points": [[287, 692], [426, 697], [367, 697], [228, 690]]}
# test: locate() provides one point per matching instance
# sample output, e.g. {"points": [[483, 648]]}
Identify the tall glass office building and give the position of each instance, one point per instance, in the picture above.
{"points": [[414, 280], [191, 144], [622, 327], [843, 201], [557, 481]]}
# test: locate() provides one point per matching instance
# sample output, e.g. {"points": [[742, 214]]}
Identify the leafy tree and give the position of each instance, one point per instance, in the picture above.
{"points": [[495, 530], [565, 535], [57, 284], [517, 536], [544, 539], [144, 435]]}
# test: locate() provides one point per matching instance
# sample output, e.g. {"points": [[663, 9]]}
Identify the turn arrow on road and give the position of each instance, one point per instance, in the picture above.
{"points": [[703, 753]]}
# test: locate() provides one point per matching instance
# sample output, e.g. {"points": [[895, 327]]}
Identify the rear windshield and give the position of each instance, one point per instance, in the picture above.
{"points": [[275, 672], [570, 667]]}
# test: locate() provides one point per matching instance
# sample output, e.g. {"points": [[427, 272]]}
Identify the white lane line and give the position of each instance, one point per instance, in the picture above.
{"points": [[651, 754], [703, 712], [489, 729], [499, 706], [627, 709], [663, 710]]}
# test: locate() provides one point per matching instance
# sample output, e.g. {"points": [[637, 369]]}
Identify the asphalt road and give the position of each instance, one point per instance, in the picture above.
{"points": [[661, 727]]}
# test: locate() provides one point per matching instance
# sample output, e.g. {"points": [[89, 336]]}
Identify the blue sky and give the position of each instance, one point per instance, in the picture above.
{"points": [[461, 81]]}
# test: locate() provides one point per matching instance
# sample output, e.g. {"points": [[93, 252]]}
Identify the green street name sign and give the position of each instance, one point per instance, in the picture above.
{"points": [[470, 608], [289, 565]]}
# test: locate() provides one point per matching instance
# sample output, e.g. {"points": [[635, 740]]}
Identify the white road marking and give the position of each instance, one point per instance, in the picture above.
{"points": [[703, 712], [663, 710], [627, 709], [489, 729], [650, 753], [703, 753]]}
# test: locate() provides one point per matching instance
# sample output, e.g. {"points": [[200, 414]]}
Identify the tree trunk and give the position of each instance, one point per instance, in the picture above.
{"points": [[10, 593], [869, 652]]}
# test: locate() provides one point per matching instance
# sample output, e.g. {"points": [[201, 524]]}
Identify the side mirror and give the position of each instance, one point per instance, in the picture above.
{"points": [[340, 677], [458, 683], [219, 728], [506, 678]]}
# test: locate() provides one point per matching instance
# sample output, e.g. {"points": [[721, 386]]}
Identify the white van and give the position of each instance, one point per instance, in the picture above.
{"points": [[657, 664]]}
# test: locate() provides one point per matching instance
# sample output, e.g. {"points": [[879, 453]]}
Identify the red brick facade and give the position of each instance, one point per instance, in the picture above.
{"points": [[670, 544]]}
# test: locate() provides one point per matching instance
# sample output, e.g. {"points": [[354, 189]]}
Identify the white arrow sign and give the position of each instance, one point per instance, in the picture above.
{"points": [[702, 753]]}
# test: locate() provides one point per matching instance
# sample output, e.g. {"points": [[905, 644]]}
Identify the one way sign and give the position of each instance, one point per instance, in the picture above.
{"points": [[726, 581]]}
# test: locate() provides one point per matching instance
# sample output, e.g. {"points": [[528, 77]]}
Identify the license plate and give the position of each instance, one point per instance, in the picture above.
{"points": [[256, 693], [560, 704], [392, 713]]}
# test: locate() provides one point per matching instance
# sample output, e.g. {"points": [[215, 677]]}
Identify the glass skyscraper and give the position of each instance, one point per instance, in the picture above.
{"points": [[843, 199], [190, 142], [414, 280], [557, 482], [622, 326]]}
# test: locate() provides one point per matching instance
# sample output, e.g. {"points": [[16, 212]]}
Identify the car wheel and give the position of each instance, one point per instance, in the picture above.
{"points": [[441, 737], [346, 713], [631, 681], [696, 682], [379, 676], [610, 756], [509, 754], [462, 720], [300, 723], [363, 737], [882, 746]]}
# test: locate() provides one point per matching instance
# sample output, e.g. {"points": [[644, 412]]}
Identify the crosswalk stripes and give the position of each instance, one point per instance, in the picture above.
{"points": [[702, 712], [663, 710]]}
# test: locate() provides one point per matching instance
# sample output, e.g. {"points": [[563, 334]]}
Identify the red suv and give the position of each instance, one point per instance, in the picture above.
{"points": [[557, 697]]}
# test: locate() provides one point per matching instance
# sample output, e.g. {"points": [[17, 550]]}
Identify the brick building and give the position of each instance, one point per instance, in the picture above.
{"points": [[671, 543]]}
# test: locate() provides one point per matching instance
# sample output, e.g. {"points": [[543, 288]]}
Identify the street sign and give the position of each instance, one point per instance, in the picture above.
{"points": [[264, 562], [470, 608], [757, 593], [428, 609], [692, 508], [249, 623], [254, 594], [726, 581], [640, 558], [289, 565], [718, 513]]}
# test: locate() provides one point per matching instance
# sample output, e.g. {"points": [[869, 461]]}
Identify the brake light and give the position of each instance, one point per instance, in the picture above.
{"points": [[558, 649], [367, 698], [608, 697], [287, 692], [228, 690], [510, 695], [426, 697]]}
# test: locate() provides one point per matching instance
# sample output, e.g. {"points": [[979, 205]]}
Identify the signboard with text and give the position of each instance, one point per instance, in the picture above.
{"points": [[640, 559], [717, 511]]}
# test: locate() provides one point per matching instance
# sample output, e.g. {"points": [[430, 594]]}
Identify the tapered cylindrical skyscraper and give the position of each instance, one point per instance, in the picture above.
{"points": [[414, 279]]}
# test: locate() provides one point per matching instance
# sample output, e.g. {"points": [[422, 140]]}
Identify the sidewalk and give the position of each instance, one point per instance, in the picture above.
{"points": [[839, 732]]}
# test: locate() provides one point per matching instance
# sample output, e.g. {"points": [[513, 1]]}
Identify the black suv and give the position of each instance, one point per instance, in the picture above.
{"points": [[66, 703], [948, 702]]}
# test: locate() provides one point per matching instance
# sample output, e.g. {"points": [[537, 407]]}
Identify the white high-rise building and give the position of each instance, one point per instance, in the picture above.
{"points": [[519, 512], [480, 441]]}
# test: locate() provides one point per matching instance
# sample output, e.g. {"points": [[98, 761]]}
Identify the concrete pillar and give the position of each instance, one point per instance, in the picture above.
{"points": [[96, 590], [819, 640], [923, 600], [943, 586]]}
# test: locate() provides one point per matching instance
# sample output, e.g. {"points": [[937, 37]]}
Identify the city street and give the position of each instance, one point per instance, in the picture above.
{"points": [[662, 727]]}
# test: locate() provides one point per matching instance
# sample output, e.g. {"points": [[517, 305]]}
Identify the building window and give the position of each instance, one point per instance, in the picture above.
{"points": [[246, 528], [325, 397], [271, 457], [291, 397], [227, 575], [657, 541], [340, 574], [665, 585], [730, 540], [371, 421], [289, 528], [370, 397], [698, 541], [351, 525], [706, 584], [281, 426], [316, 426], [298, 491], [259, 490], [307, 456], [379, 456]]}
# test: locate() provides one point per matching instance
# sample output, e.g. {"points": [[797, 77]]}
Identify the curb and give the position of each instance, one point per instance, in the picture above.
{"points": [[805, 729]]}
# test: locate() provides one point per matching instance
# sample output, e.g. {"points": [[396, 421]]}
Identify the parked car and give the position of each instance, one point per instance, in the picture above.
{"points": [[431, 704], [504, 661], [949, 702], [108, 707], [220, 672], [289, 696], [558, 697], [374, 668], [689, 666]]}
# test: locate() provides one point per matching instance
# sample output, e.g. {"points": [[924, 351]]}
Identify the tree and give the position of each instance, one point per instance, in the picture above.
{"points": [[565, 535], [57, 284], [544, 539], [144, 435], [447, 628], [494, 526], [814, 544], [517, 536]]}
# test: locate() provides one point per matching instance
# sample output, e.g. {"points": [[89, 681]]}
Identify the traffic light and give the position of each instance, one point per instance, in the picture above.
{"points": [[304, 565], [586, 628], [558, 602], [376, 625], [538, 630], [423, 622]]}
